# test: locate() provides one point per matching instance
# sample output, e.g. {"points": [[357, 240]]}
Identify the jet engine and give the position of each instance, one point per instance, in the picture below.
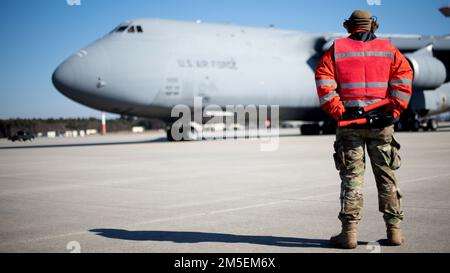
{"points": [[429, 72]]}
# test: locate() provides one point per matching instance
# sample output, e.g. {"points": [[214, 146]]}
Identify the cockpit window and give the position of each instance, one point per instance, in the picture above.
{"points": [[121, 28], [129, 29]]}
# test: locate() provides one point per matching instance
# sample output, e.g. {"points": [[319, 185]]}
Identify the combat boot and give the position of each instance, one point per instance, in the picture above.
{"points": [[347, 238], [394, 235]]}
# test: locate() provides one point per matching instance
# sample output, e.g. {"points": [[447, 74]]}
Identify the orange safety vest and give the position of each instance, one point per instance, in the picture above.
{"points": [[363, 70]]}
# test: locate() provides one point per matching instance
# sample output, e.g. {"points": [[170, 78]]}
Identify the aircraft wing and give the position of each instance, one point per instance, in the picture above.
{"points": [[406, 43], [417, 42]]}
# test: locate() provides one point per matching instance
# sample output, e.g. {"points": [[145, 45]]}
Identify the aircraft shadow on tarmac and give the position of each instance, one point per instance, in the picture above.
{"points": [[186, 237]]}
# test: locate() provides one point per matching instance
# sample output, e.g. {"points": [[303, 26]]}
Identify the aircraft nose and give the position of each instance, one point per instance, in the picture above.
{"points": [[64, 77], [80, 77]]}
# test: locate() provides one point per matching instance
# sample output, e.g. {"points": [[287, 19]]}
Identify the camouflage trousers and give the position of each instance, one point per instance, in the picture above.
{"points": [[382, 148]]}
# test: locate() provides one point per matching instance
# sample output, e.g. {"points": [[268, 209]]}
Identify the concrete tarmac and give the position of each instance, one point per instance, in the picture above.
{"points": [[139, 193]]}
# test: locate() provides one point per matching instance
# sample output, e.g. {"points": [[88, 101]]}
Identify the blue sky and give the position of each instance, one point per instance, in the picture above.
{"points": [[37, 35]]}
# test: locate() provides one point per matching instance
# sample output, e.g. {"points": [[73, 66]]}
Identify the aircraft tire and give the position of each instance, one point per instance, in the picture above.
{"points": [[169, 135], [432, 125], [193, 135], [415, 126]]}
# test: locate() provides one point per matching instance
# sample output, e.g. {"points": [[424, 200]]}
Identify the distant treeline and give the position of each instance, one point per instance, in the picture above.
{"points": [[12, 126]]}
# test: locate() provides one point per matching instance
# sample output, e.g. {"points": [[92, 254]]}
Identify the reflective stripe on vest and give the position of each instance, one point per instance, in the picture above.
{"points": [[364, 54], [321, 83], [400, 95], [401, 82], [364, 85], [328, 97], [359, 103], [363, 69]]}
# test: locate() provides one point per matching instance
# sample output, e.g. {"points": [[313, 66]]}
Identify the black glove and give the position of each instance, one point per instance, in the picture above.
{"points": [[381, 120], [353, 113]]}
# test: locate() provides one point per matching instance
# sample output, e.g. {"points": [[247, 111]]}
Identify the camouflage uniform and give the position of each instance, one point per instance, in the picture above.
{"points": [[349, 157]]}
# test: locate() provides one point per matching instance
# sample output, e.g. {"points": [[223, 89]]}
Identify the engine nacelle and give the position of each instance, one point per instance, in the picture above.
{"points": [[429, 72]]}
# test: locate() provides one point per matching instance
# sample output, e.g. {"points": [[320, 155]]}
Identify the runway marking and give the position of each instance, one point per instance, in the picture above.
{"points": [[263, 195], [249, 207], [416, 207], [371, 187], [60, 171], [424, 178], [45, 238], [168, 219], [69, 184]]}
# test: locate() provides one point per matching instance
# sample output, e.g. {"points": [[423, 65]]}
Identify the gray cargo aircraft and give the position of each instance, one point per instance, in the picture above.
{"points": [[145, 67]]}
